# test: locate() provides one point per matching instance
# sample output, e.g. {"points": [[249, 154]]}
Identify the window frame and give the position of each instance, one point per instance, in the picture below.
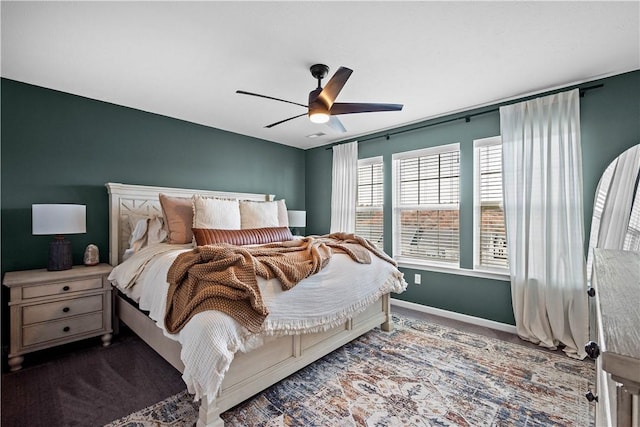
{"points": [[411, 262], [477, 205]]}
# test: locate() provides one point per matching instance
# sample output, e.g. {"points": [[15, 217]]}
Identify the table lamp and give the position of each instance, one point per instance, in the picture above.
{"points": [[58, 220], [297, 219]]}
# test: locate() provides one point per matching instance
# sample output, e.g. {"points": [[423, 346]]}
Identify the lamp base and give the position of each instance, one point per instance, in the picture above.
{"points": [[60, 257], [297, 231]]}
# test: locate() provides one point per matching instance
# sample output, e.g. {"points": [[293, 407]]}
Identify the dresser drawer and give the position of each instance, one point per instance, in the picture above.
{"points": [[61, 287], [65, 328], [61, 309]]}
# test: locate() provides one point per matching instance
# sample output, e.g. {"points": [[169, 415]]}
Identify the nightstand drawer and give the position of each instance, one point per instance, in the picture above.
{"points": [[61, 309], [36, 334], [61, 287]]}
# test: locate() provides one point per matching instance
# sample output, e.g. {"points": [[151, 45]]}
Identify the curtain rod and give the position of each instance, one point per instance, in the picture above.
{"points": [[466, 117]]}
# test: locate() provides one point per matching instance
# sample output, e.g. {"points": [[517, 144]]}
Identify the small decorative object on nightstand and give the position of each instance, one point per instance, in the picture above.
{"points": [[91, 256], [49, 308], [297, 219]]}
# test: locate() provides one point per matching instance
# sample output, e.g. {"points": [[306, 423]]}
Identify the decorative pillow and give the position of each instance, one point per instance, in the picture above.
{"points": [[210, 212], [247, 236], [155, 218], [134, 219], [146, 231], [178, 218], [258, 214], [283, 218]]}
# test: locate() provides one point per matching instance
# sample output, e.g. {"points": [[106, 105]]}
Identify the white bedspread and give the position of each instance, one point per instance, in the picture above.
{"points": [[210, 339]]}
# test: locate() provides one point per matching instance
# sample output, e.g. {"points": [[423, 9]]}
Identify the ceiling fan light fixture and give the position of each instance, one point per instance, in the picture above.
{"points": [[318, 111], [319, 117]]}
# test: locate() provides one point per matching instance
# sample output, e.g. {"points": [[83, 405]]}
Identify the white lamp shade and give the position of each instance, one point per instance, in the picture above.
{"points": [[59, 219], [297, 218]]}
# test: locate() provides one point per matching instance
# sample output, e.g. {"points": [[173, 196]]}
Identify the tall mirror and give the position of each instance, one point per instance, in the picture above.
{"points": [[616, 209]]}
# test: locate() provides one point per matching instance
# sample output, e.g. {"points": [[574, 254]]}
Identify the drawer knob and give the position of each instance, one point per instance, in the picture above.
{"points": [[65, 310], [591, 292], [66, 329], [591, 397], [592, 349], [65, 288]]}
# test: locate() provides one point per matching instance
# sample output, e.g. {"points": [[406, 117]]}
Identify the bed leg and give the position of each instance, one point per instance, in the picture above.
{"points": [[115, 319], [209, 415], [387, 325]]}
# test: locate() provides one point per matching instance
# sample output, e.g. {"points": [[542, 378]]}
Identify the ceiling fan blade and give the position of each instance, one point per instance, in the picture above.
{"points": [[334, 86], [355, 107], [270, 97], [335, 124], [285, 120]]}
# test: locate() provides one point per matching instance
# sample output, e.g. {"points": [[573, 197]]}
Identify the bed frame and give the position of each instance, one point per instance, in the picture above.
{"points": [[250, 372]]}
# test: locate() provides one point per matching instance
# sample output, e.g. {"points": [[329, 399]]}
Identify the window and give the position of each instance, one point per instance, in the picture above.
{"points": [[370, 201], [426, 205], [490, 238]]}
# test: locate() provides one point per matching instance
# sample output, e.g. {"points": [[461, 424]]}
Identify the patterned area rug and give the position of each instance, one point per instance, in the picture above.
{"points": [[421, 374]]}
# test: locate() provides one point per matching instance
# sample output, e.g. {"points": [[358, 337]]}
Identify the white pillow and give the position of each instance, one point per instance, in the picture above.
{"points": [[283, 218], [222, 214], [258, 214], [145, 231], [155, 231]]}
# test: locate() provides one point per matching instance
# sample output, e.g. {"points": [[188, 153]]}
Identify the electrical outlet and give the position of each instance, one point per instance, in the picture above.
{"points": [[417, 279]]}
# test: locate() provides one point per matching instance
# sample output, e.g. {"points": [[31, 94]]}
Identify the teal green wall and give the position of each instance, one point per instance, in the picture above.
{"points": [[610, 123], [61, 148]]}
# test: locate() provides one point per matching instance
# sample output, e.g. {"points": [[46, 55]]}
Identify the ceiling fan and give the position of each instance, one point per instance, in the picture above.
{"points": [[321, 107]]}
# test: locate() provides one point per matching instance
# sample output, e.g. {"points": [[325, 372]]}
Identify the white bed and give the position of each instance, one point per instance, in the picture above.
{"points": [[280, 354]]}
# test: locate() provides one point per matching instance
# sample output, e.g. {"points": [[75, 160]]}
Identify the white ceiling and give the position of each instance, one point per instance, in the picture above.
{"points": [[187, 59]]}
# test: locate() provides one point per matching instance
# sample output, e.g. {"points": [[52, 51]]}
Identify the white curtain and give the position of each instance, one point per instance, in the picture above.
{"points": [[542, 170], [343, 187]]}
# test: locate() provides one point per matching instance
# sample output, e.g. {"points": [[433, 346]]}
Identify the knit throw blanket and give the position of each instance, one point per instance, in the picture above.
{"points": [[224, 277]]}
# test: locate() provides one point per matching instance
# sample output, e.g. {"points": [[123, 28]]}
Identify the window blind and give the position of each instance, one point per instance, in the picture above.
{"points": [[370, 201], [427, 214], [492, 238]]}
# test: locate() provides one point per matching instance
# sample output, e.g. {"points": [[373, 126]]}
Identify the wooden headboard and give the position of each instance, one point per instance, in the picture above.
{"points": [[142, 200]]}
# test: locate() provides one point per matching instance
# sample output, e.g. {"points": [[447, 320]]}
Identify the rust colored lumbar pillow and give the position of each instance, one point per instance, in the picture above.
{"points": [[247, 236]]}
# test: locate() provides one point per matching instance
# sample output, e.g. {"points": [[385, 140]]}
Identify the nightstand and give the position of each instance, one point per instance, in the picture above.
{"points": [[49, 308]]}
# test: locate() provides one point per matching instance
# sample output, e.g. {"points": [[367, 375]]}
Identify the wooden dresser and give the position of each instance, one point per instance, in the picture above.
{"points": [[616, 281], [50, 308]]}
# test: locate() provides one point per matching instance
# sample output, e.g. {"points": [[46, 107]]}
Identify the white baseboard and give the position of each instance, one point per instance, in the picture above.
{"points": [[455, 316]]}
